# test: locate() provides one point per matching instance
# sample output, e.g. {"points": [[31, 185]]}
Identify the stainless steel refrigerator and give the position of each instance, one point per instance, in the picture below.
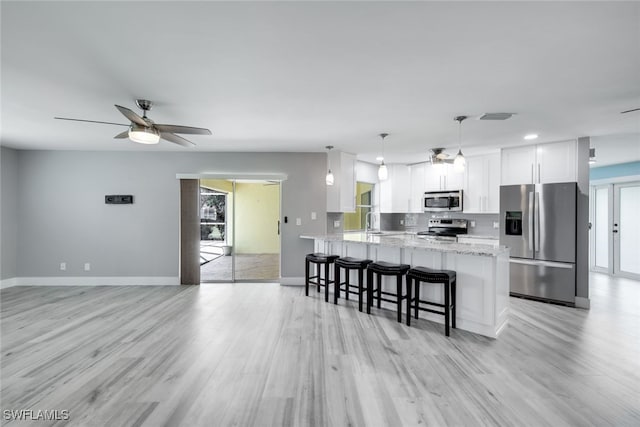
{"points": [[538, 224]]}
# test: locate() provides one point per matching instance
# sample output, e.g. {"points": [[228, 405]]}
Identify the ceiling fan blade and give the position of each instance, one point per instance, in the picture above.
{"points": [[182, 129], [89, 121], [132, 116], [122, 135], [176, 139]]}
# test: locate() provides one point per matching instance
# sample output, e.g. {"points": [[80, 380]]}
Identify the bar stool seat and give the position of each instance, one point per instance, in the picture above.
{"points": [[319, 259], [349, 263], [428, 275], [382, 268]]}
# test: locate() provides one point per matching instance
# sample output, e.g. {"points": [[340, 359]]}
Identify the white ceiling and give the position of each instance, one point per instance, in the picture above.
{"points": [[296, 76]]}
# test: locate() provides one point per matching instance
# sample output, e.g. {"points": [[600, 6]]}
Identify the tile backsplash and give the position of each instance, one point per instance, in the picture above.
{"points": [[419, 222]]}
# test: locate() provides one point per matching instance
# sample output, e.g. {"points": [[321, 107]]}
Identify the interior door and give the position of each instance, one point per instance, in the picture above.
{"points": [[626, 230]]}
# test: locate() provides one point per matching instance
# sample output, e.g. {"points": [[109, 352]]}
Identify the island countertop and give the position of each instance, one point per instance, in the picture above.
{"points": [[408, 240]]}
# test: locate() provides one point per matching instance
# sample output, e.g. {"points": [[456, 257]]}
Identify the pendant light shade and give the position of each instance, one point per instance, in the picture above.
{"points": [[459, 162], [383, 173], [329, 178]]}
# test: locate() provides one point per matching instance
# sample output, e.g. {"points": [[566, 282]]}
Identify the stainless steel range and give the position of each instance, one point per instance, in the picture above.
{"points": [[444, 230]]}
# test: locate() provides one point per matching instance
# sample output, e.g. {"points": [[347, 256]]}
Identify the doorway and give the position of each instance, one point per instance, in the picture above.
{"points": [[239, 230], [615, 230]]}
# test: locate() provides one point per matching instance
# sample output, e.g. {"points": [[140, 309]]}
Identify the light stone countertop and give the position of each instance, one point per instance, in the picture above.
{"points": [[403, 240]]}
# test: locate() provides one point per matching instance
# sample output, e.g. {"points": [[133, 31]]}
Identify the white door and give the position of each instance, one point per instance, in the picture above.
{"points": [[626, 230], [615, 231]]}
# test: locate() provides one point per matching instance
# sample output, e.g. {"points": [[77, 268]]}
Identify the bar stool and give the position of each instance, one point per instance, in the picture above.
{"points": [[382, 268], [319, 259], [349, 263], [428, 275]]}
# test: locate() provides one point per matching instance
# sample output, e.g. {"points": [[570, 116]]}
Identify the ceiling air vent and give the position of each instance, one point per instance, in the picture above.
{"points": [[496, 116]]}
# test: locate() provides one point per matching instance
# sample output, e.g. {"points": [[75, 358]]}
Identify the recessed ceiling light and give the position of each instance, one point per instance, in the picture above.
{"points": [[379, 158], [531, 136]]}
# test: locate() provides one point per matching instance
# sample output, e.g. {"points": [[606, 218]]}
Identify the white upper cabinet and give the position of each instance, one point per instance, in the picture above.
{"points": [[482, 184], [341, 196], [557, 162], [442, 177], [416, 186], [395, 191], [540, 164]]}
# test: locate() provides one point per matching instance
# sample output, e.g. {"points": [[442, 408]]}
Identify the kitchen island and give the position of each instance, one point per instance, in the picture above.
{"points": [[482, 273]]}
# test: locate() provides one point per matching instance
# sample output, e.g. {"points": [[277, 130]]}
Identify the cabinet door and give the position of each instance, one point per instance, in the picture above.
{"points": [[452, 180], [417, 179], [400, 189], [517, 165], [556, 162], [433, 177], [491, 202], [474, 189]]}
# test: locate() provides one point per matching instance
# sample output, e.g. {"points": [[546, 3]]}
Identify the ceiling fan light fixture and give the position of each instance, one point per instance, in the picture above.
{"points": [[143, 135]]}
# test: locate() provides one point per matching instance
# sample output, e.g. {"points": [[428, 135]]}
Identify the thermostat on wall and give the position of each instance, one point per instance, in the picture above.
{"points": [[118, 199]]}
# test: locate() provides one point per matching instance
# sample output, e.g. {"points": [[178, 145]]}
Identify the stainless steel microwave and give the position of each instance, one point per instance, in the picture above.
{"points": [[442, 201]]}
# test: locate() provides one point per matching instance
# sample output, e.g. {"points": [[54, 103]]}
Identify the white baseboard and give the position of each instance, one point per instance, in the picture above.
{"points": [[7, 283], [94, 281], [292, 281], [582, 302]]}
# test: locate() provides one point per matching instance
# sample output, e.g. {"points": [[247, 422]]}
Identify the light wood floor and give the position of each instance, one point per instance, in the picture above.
{"points": [[263, 354]]}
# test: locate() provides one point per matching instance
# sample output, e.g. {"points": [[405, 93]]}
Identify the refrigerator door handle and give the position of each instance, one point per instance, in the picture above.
{"points": [[542, 263], [530, 239], [536, 209]]}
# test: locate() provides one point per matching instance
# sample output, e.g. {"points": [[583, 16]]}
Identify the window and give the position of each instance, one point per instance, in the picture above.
{"points": [[364, 204], [213, 211]]}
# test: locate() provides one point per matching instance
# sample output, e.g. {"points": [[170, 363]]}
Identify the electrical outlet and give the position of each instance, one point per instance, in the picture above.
{"points": [[87, 266], [63, 266], [472, 224], [336, 224], [298, 221], [402, 222], [496, 224], [314, 216]]}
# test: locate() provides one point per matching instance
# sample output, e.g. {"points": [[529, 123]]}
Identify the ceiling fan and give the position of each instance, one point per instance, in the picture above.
{"points": [[145, 131], [438, 156]]}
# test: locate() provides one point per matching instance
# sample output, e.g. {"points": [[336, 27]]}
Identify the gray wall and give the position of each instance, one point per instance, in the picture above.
{"points": [[8, 212], [62, 216]]}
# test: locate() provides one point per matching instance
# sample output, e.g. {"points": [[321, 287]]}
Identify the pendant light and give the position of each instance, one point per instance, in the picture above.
{"points": [[383, 174], [459, 162], [329, 179]]}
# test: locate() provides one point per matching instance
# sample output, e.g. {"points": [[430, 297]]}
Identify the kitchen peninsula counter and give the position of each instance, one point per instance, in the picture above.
{"points": [[482, 272]]}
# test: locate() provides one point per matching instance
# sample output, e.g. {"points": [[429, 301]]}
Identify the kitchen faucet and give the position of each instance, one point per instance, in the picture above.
{"points": [[369, 220]]}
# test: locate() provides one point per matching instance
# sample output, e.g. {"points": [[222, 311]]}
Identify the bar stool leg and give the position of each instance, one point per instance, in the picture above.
{"points": [[453, 297], [416, 307], [379, 290], [399, 296], [346, 283], [326, 282], [369, 290], [447, 307], [360, 290], [336, 283], [409, 285], [306, 277]]}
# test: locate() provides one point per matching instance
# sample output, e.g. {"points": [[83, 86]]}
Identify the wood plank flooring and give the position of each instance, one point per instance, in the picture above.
{"points": [[263, 354]]}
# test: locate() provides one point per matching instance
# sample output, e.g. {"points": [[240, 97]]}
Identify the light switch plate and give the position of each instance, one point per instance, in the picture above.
{"points": [[314, 216], [336, 224], [496, 224], [472, 224], [298, 221]]}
